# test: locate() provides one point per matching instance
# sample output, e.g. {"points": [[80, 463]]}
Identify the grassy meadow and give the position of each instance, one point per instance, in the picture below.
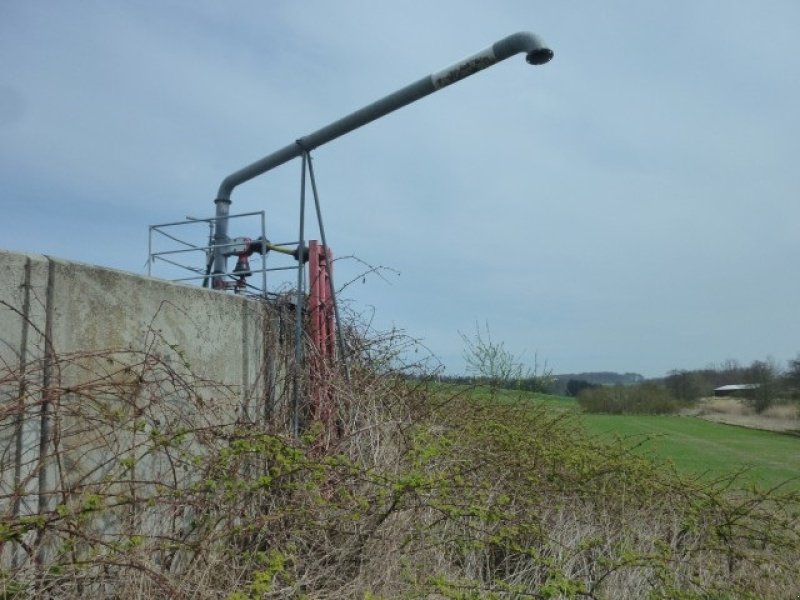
{"points": [[696, 446], [692, 445]]}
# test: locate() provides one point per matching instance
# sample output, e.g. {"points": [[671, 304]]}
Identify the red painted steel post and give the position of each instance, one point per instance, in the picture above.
{"points": [[328, 313], [323, 323], [322, 332], [314, 296]]}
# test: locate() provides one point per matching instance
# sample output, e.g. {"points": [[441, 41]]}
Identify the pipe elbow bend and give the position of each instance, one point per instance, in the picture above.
{"points": [[536, 51]]}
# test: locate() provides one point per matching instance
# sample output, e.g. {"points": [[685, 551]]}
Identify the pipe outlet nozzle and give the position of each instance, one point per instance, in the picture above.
{"points": [[539, 56]]}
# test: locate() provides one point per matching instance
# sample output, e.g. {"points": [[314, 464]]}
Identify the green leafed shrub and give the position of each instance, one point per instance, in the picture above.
{"points": [[643, 399]]}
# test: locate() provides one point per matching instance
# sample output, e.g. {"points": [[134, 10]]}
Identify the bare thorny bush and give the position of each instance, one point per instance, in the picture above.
{"points": [[157, 485]]}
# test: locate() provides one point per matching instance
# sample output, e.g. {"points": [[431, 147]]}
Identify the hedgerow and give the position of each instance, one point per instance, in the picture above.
{"points": [[160, 488]]}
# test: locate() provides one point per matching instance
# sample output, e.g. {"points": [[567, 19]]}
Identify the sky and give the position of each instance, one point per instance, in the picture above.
{"points": [[630, 206]]}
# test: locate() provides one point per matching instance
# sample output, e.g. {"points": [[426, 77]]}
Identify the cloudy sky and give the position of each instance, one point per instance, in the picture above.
{"points": [[630, 206]]}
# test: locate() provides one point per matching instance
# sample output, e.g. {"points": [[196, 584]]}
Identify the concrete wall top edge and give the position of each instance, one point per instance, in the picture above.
{"points": [[101, 271]]}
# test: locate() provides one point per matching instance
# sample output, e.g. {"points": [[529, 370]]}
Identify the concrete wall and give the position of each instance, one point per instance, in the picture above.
{"points": [[81, 344], [90, 308]]}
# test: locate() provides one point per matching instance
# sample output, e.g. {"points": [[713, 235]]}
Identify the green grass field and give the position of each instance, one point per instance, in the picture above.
{"points": [[693, 445], [701, 447]]}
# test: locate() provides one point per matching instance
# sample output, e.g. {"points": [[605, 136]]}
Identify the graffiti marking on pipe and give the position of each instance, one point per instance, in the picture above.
{"points": [[465, 68]]}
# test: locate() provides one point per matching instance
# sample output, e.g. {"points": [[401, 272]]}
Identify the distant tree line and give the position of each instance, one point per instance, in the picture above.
{"points": [[489, 362], [680, 388], [533, 383], [561, 382], [542, 381]]}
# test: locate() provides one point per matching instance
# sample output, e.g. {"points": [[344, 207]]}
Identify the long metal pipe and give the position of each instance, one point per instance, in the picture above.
{"points": [[536, 54]]}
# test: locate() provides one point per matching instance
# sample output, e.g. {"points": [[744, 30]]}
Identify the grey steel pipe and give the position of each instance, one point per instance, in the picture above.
{"points": [[536, 54]]}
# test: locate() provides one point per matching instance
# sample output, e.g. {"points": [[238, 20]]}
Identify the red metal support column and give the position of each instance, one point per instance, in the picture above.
{"points": [[322, 332]]}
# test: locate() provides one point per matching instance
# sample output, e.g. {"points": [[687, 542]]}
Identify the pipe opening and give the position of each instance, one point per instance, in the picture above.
{"points": [[539, 56]]}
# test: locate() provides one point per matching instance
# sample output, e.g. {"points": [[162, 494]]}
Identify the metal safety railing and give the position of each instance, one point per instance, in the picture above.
{"points": [[175, 251]]}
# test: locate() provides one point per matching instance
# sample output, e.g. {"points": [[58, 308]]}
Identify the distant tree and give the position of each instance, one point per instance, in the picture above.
{"points": [[766, 375], [651, 398], [490, 360], [730, 364], [576, 386], [732, 372], [688, 386], [792, 377], [492, 363], [647, 398]]}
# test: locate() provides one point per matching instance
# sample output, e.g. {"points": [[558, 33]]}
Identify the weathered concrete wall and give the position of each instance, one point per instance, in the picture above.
{"points": [[90, 308], [95, 363]]}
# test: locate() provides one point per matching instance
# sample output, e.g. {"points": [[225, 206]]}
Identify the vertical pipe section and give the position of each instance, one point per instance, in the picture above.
{"points": [[220, 239], [298, 308], [537, 53], [263, 256]]}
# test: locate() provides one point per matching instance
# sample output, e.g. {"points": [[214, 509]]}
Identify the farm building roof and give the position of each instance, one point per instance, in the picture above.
{"points": [[739, 386]]}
